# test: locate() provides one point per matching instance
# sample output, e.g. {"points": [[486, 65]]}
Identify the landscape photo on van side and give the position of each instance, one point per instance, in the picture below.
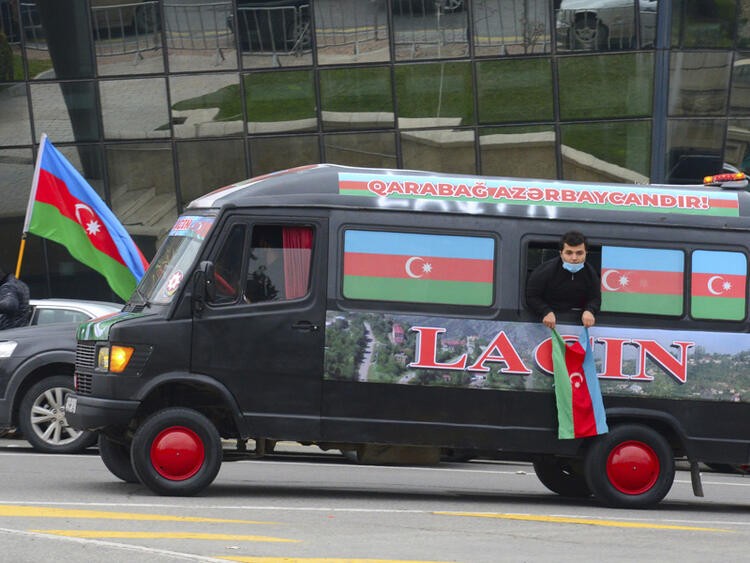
{"points": [[479, 354]]}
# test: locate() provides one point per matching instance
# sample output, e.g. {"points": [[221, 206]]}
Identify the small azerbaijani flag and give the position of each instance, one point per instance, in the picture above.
{"points": [[64, 208], [642, 280], [418, 268], [718, 283], [580, 409]]}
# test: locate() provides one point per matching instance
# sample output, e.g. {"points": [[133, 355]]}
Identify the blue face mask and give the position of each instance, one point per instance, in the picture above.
{"points": [[572, 268]]}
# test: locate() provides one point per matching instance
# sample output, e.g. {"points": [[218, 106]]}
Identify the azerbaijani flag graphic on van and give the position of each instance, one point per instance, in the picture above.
{"points": [[718, 285], [642, 280], [418, 268]]}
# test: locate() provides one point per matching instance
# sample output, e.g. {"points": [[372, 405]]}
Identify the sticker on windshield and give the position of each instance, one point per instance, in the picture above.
{"points": [[192, 226], [173, 283]]}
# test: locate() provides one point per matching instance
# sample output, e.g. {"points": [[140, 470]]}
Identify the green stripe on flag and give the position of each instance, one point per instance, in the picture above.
{"points": [[655, 304], [720, 308], [563, 390], [48, 222], [418, 290]]}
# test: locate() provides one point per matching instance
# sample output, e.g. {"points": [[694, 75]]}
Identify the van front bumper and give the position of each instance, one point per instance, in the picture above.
{"points": [[90, 413]]}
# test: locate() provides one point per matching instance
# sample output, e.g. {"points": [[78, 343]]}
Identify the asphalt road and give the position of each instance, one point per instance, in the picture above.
{"points": [[315, 507]]}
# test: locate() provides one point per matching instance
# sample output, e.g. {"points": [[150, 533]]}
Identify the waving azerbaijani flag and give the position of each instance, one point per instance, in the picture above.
{"points": [[418, 268], [64, 208], [580, 409]]}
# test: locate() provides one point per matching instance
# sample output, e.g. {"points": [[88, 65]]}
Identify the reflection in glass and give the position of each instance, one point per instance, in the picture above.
{"points": [[703, 23], [440, 150], [516, 27], [694, 149], [17, 167], [207, 165], [268, 154], [280, 102], [595, 25], [737, 145], [142, 189], [514, 90], [698, 82], [430, 29], [273, 34], [524, 152], [376, 150], [11, 65], [15, 127], [739, 94], [197, 36], [356, 98], [134, 109], [206, 105], [606, 86], [127, 37], [349, 31], [607, 152], [435, 94], [69, 117]]}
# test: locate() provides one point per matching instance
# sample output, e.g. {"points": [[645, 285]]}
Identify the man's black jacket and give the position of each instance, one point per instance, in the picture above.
{"points": [[551, 288]]}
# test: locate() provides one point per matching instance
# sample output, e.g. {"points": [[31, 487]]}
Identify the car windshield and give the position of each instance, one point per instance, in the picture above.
{"points": [[174, 259]]}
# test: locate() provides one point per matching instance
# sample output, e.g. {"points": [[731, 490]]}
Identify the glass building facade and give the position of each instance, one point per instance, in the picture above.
{"points": [[158, 102]]}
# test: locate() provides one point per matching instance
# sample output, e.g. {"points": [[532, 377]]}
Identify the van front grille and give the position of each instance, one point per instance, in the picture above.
{"points": [[83, 383], [85, 356]]}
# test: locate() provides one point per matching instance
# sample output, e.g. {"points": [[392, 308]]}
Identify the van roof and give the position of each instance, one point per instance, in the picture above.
{"points": [[330, 185]]}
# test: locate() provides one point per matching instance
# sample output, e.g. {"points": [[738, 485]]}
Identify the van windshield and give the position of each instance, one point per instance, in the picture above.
{"points": [[174, 259]]}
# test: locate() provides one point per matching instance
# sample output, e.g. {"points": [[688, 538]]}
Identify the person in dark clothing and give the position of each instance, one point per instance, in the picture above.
{"points": [[565, 283], [14, 301]]}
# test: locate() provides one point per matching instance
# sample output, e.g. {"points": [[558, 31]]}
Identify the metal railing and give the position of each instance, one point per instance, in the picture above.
{"points": [[273, 29], [198, 27], [125, 29]]}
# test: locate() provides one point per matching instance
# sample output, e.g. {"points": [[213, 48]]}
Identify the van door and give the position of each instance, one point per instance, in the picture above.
{"points": [[263, 334]]}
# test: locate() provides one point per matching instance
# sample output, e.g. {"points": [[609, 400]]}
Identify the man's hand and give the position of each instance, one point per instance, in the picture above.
{"points": [[549, 320], [588, 319]]}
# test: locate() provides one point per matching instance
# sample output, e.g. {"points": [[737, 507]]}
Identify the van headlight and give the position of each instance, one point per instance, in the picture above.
{"points": [[7, 347], [113, 358]]}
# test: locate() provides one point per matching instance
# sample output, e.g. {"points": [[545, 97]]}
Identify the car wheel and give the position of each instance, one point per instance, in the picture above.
{"points": [[589, 34], [176, 452], [42, 418], [632, 466], [116, 458], [562, 476]]}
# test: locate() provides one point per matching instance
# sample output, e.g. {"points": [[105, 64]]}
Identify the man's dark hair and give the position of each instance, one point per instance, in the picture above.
{"points": [[573, 238]]}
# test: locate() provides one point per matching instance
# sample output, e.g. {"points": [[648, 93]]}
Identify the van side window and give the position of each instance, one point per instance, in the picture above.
{"points": [[418, 268], [642, 280], [228, 266], [718, 285], [279, 263]]}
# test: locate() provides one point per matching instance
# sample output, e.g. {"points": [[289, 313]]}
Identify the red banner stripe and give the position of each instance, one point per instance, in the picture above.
{"points": [[424, 267], [726, 203], [715, 285], [53, 191], [616, 280], [352, 185]]}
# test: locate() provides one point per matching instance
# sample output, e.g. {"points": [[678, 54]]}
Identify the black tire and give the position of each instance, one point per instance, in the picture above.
{"points": [[176, 452], [116, 458], [630, 467], [562, 476], [41, 418]]}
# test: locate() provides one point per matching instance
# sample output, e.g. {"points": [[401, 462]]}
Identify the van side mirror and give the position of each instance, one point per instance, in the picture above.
{"points": [[204, 282]]}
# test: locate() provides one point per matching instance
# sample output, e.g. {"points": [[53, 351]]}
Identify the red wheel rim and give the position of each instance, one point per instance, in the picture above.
{"points": [[177, 453], [633, 467]]}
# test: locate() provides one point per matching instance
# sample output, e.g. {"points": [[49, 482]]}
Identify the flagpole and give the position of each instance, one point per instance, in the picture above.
{"points": [[30, 205]]}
